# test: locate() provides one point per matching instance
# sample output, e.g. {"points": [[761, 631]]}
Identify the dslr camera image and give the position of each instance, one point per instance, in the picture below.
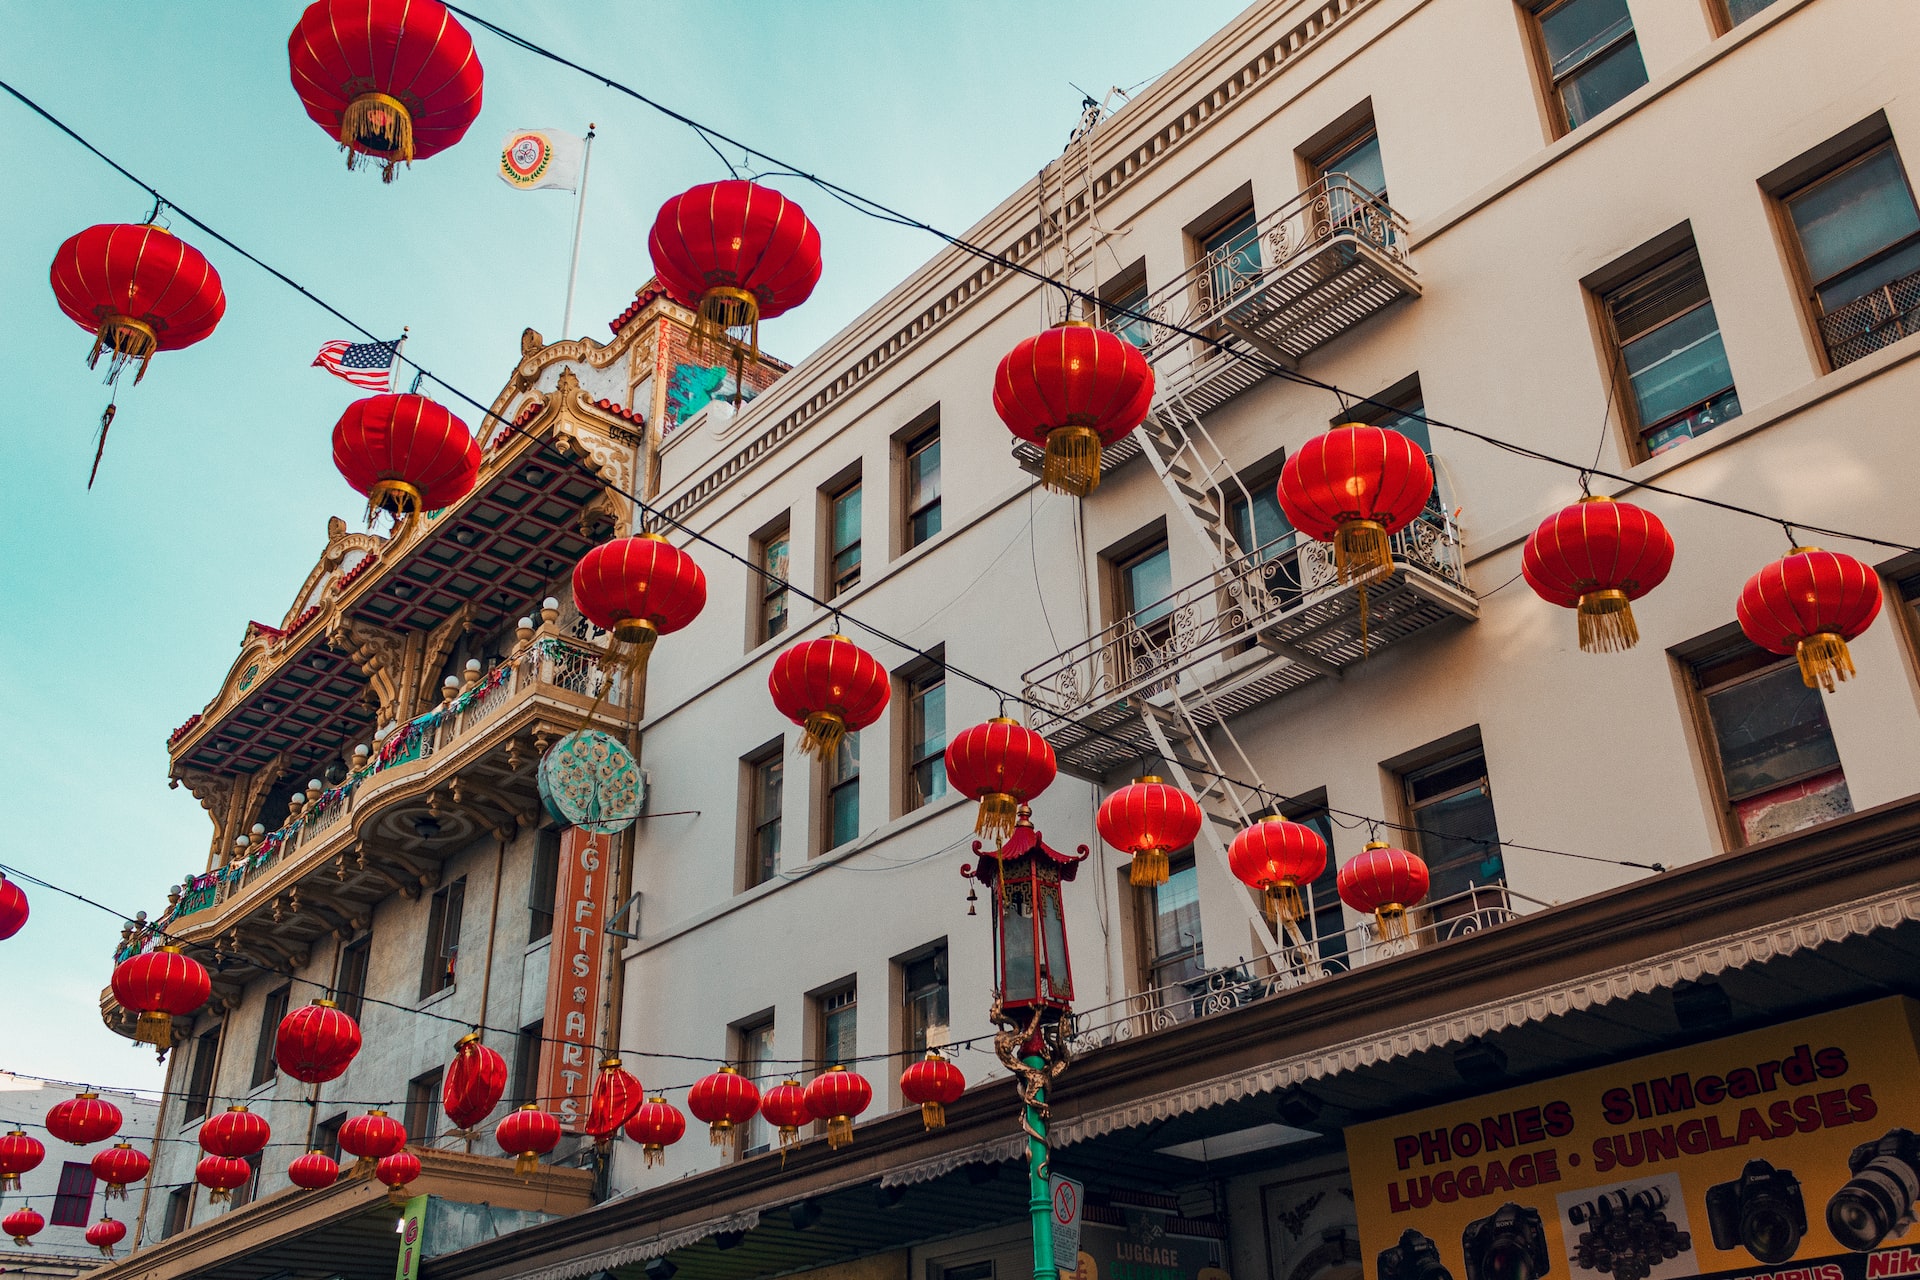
{"points": [[1878, 1200], [1759, 1211], [1507, 1244], [1414, 1258], [1626, 1235]]}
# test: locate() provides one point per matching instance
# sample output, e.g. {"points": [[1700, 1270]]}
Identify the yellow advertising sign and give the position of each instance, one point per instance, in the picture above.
{"points": [[1781, 1154]]}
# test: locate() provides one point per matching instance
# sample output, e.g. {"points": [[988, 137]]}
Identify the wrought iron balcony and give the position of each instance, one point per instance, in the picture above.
{"points": [[1873, 321], [1258, 627]]}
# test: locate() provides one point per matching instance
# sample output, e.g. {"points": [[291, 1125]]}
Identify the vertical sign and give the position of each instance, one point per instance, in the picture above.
{"points": [[573, 976], [1067, 1198], [412, 1218]]}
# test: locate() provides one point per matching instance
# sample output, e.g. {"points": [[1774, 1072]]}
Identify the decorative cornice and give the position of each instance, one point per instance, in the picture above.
{"points": [[646, 1250]]}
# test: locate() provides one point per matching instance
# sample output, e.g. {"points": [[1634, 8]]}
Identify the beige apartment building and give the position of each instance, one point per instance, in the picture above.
{"points": [[1675, 239]]}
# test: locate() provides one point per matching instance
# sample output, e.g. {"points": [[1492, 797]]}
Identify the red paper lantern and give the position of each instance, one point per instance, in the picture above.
{"points": [[1147, 819], [735, 253], [656, 1126], [314, 1171], [837, 1096], [476, 1078], [406, 453], [105, 1234], [639, 588], [616, 1096], [722, 1101], [220, 1175], [19, 1153], [118, 1167], [526, 1135], [1810, 604], [830, 687], [13, 908], [84, 1121], [160, 985], [397, 1170], [234, 1133], [23, 1225], [393, 80], [371, 1138], [1384, 881], [935, 1083], [785, 1107], [1279, 858], [316, 1043], [1073, 390], [1356, 486], [1002, 764], [138, 289], [1597, 557]]}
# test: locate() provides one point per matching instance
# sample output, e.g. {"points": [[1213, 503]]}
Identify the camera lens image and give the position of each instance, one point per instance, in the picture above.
{"points": [[1880, 1196], [1625, 1231], [1507, 1244], [1415, 1257], [1760, 1211]]}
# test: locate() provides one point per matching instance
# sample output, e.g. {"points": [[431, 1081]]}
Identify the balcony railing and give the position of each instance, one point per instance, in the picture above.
{"points": [[1876, 320]]}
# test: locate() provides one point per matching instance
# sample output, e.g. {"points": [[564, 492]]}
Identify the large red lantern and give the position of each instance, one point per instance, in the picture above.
{"points": [[616, 1096], [785, 1107], [1279, 858], [393, 80], [19, 1153], [160, 985], [13, 908], [315, 1044], [1073, 390], [23, 1225], [84, 1121], [735, 253], [526, 1135], [105, 1234], [220, 1175], [314, 1171], [396, 1171], [235, 1133], [837, 1096], [640, 589], [1810, 604], [371, 1138], [722, 1101], [1597, 557], [830, 687], [656, 1126], [1356, 486], [118, 1167], [1147, 819], [1002, 764], [406, 453], [476, 1078], [934, 1083], [1384, 882]]}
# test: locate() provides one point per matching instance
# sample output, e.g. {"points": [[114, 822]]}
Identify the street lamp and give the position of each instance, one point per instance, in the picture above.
{"points": [[1033, 992]]}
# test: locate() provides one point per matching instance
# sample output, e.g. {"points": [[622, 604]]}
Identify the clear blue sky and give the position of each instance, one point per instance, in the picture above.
{"points": [[128, 603]]}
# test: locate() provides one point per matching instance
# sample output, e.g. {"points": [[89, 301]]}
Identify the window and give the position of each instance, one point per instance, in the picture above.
{"points": [[765, 780], [1738, 11], [771, 552], [1123, 300], [73, 1202], [271, 1012], [179, 1210], [350, 984], [243, 1194], [526, 1063], [326, 1138], [1173, 929], [1325, 925], [923, 996], [1262, 531], [443, 938], [756, 1063], [206, 1055], [839, 1015], [921, 457], [1592, 55], [843, 792], [1358, 156], [843, 548], [543, 885], [1678, 381], [1859, 233], [1232, 255], [1451, 807], [423, 1107], [1770, 744], [1145, 580], [926, 737], [1404, 409]]}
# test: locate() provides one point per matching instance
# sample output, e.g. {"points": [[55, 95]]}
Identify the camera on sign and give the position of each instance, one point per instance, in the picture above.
{"points": [[1414, 1258], [1507, 1244], [1878, 1200], [1759, 1211]]}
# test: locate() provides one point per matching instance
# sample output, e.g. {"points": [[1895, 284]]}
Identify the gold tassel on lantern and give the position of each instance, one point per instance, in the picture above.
{"points": [[998, 811], [655, 1154], [1824, 660], [726, 327], [219, 1195], [1284, 903], [1391, 919], [128, 340], [526, 1163], [378, 129], [824, 731], [933, 1115], [155, 1028], [1361, 552], [1071, 463], [1606, 622], [839, 1132], [1149, 867]]}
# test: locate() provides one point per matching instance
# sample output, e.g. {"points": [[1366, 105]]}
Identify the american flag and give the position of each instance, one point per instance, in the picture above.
{"points": [[364, 364]]}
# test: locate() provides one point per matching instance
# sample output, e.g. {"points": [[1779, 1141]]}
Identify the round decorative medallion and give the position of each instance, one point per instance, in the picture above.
{"points": [[246, 679], [588, 780]]}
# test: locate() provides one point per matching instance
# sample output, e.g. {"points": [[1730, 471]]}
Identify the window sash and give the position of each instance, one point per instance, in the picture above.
{"points": [[271, 1012], [1114, 319], [927, 738], [423, 1107], [843, 792], [923, 489], [1838, 206], [1359, 158], [845, 535], [73, 1201], [925, 998], [769, 796], [775, 559], [543, 885], [526, 1062], [1798, 746], [839, 1028], [756, 1053], [1173, 937], [1146, 582], [206, 1052], [1234, 254], [350, 989]]}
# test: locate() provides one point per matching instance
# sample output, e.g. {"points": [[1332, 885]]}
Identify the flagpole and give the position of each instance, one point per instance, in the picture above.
{"points": [[393, 370], [579, 217]]}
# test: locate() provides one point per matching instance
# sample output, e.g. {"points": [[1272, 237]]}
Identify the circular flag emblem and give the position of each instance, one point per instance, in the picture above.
{"points": [[525, 159]]}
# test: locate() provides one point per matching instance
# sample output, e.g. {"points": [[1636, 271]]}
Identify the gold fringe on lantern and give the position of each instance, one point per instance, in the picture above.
{"points": [[9, 1182], [398, 498], [1284, 903], [377, 129], [726, 327], [998, 811], [654, 1152], [933, 1115], [1149, 867], [824, 731], [526, 1163], [1392, 921], [1606, 622], [114, 1191], [155, 1028], [839, 1132], [1361, 552], [1072, 461], [1824, 660], [720, 1134], [219, 1195], [128, 340]]}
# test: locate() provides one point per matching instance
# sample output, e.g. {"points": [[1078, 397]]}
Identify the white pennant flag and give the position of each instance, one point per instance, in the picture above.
{"points": [[531, 159]]}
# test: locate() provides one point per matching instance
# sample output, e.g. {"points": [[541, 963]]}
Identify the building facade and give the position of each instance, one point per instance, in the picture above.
{"points": [[62, 1189]]}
